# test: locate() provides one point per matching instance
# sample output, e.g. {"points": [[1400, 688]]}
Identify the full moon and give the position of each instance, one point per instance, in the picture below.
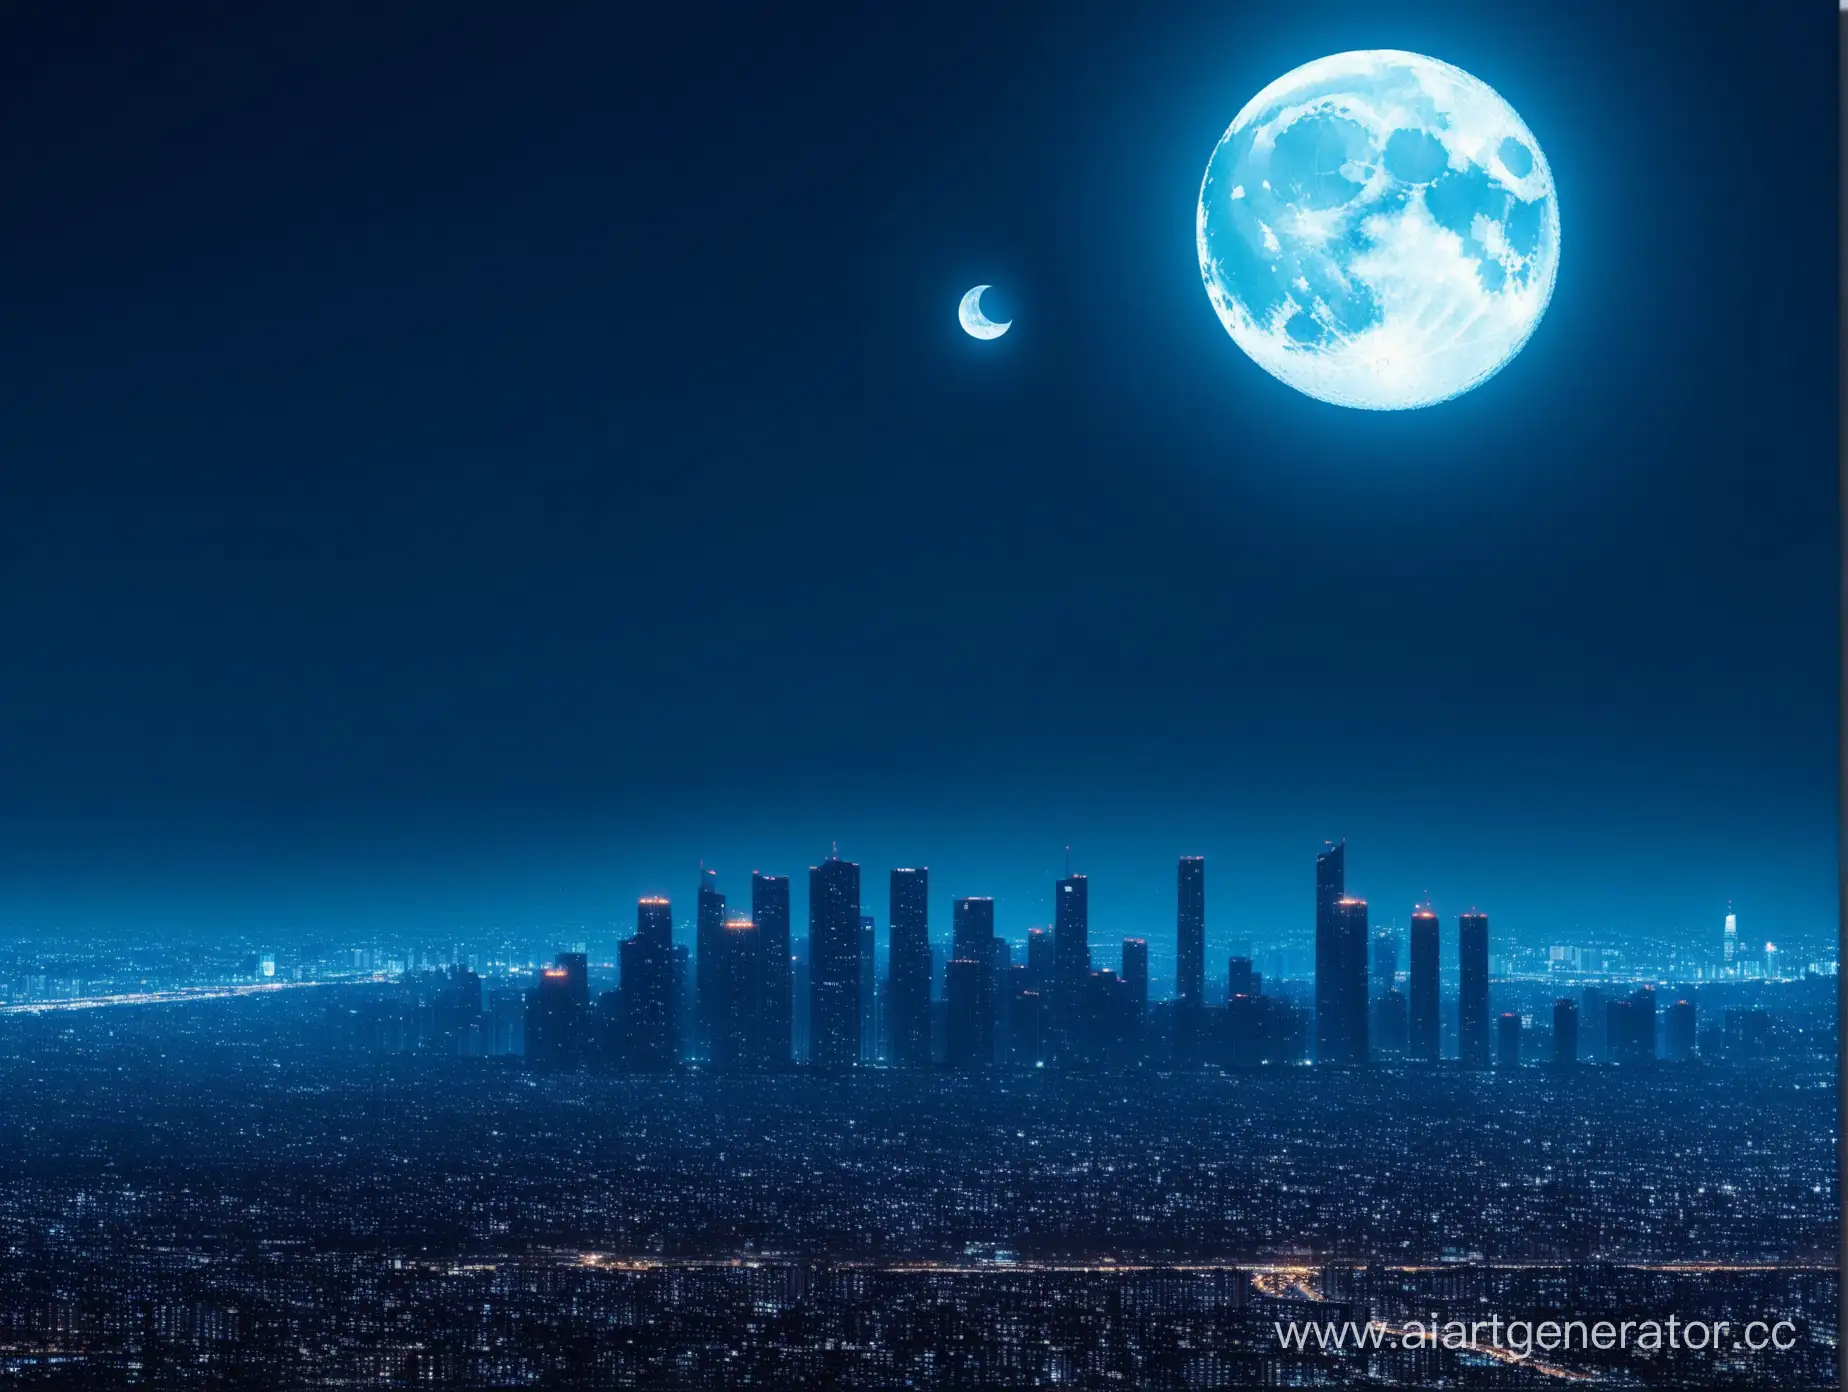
{"points": [[1378, 229], [975, 323]]}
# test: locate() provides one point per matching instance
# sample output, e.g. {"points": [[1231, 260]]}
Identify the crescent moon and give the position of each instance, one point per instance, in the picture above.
{"points": [[975, 323]]}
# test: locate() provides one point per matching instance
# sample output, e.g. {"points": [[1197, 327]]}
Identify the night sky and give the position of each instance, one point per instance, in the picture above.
{"points": [[464, 464]]}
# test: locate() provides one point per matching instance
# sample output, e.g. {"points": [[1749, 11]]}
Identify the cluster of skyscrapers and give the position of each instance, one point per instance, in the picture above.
{"points": [[1057, 1007]]}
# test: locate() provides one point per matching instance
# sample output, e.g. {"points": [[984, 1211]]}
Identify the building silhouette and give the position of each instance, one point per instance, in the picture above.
{"points": [[962, 992], [834, 964], [1422, 988], [1681, 1037], [908, 969], [1071, 953], [1565, 1032], [1351, 918], [647, 1004], [1508, 1040], [1473, 989], [737, 1039], [869, 994], [1330, 887], [770, 912], [1135, 977], [972, 940], [558, 1014], [1190, 959], [708, 963]]}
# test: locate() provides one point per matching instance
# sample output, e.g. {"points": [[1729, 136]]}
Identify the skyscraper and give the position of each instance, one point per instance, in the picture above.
{"points": [[869, 996], [650, 1018], [1240, 979], [1384, 960], [1565, 1032], [1351, 918], [834, 963], [962, 990], [1136, 973], [558, 1014], [1040, 972], [1422, 989], [770, 912], [1473, 990], [1508, 1040], [1729, 940], [972, 926], [1071, 953], [1330, 886], [708, 963], [1190, 958], [908, 969], [737, 1040], [1135, 978], [1681, 1038]]}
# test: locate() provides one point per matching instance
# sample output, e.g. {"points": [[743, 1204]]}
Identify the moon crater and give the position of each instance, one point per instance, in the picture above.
{"points": [[1378, 229]]}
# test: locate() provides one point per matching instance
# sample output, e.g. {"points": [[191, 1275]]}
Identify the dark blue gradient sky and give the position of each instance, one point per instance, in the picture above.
{"points": [[464, 465]]}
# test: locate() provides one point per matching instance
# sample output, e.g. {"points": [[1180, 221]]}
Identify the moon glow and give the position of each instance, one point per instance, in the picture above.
{"points": [[975, 323], [1378, 229]]}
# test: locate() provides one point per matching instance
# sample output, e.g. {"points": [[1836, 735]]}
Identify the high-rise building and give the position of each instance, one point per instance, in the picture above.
{"points": [[770, 912], [1565, 1032], [1594, 1026], [1071, 952], [869, 997], [1136, 973], [1681, 1039], [737, 1039], [1330, 887], [558, 1014], [834, 963], [1508, 1040], [650, 1018], [1422, 988], [908, 969], [963, 991], [1384, 960], [1190, 960], [972, 939], [708, 963], [1135, 990], [1025, 1023], [1643, 1025], [1729, 940], [1240, 979], [1351, 917], [1473, 989], [1040, 972]]}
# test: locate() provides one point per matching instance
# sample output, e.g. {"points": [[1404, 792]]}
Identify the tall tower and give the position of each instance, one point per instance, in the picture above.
{"points": [[770, 912], [1730, 941], [1422, 993], [1190, 957], [1071, 962], [650, 1013], [737, 1040], [1351, 919], [908, 988], [973, 940], [869, 994], [834, 963], [1330, 887], [1473, 989], [708, 964], [1565, 1032]]}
